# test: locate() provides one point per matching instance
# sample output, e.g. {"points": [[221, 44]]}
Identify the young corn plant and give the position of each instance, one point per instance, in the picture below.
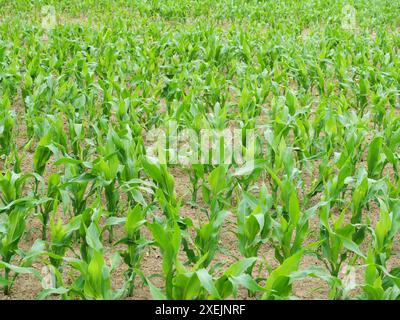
{"points": [[165, 192], [61, 238], [279, 283], [385, 231], [379, 284], [7, 124], [12, 189], [339, 241], [78, 185], [105, 170], [94, 281], [207, 238], [12, 228], [53, 194], [218, 189], [90, 230], [253, 223], [135, 244], [168, 239], [200, 284]]}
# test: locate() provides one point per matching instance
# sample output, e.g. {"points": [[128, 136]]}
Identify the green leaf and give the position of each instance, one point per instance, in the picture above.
{"points": [[294, 209], [374, 151], [207, 283], [239, 267], [93, 238]]}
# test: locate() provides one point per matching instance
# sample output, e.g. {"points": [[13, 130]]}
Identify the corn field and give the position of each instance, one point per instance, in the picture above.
{"points": [[109, 188]]}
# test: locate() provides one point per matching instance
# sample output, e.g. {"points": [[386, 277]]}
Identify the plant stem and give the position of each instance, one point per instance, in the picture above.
{"points": [[6, 277]]}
